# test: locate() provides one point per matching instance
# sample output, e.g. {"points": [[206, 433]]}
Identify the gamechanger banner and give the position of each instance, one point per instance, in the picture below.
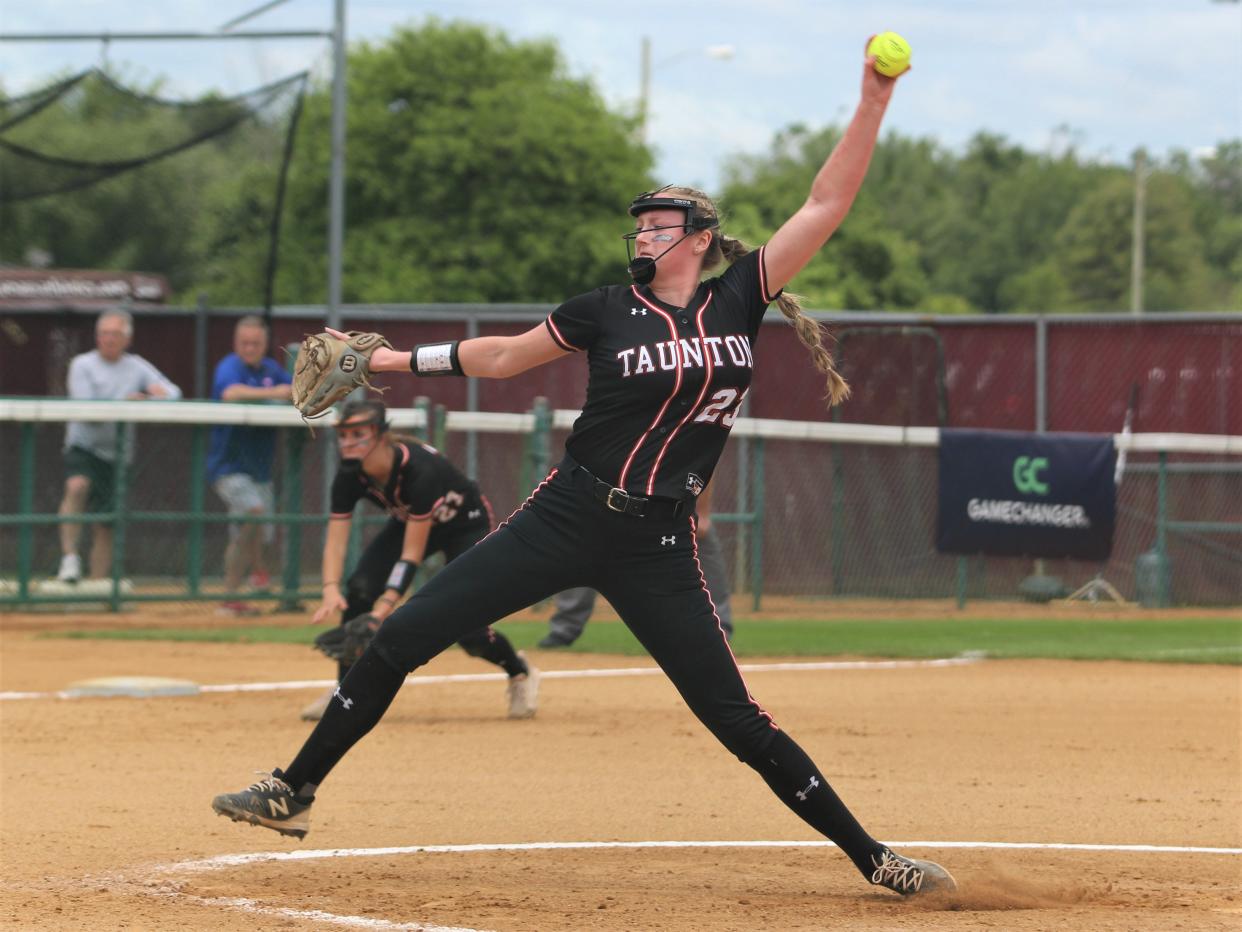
{"points": [[1009, 493]]}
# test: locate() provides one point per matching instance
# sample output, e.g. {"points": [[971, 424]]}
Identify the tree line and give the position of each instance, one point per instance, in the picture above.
{"points": [[480, 170]]}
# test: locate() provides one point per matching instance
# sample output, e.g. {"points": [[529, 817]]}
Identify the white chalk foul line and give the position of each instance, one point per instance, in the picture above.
{"points": [[236, 860], [250, 906], [423, 680], [245, 905]]}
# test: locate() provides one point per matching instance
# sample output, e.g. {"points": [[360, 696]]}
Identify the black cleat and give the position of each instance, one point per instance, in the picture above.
{"points": [[908, 876], [270, 803]]}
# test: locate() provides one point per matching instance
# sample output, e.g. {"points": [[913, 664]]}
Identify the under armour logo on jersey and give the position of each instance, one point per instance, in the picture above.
{"points": [[348, 703], [803, 794], [474, 513], [668, 541], [635, 311]]}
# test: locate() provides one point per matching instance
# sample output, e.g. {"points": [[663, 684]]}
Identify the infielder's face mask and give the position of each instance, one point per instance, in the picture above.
{"points": [[357, 437], [643, 268]]}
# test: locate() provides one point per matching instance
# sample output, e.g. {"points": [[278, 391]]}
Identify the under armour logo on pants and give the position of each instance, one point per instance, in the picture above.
{"points": [[803, 794]]}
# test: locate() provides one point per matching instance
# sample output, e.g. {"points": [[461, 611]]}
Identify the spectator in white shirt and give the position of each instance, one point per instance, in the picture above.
{"points": [[107, 372]]}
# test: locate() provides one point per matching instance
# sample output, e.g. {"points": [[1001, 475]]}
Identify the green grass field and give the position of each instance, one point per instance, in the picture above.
{"points": [[1205, 640]]}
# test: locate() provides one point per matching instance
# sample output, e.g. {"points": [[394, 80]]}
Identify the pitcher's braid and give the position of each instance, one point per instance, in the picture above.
{"points": [[810, 332]]}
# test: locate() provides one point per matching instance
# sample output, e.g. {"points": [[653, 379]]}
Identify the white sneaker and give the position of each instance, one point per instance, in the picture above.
{"points": [[523, 691], [314, 711], [70, 568]]}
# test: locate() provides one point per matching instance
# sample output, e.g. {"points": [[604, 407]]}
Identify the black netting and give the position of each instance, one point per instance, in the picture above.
{"points": [[86, 153]]}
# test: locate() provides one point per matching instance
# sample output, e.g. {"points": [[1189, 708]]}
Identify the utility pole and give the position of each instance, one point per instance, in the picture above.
{"points": [[718, 52], [644, 89], [1137, 246], [336, 178]]}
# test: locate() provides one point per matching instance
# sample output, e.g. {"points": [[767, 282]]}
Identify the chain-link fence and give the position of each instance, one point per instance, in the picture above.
{"points": [[804, 508]]}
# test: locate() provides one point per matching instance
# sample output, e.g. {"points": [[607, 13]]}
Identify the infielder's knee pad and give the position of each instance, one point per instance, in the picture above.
{"points": [[358, 598]]}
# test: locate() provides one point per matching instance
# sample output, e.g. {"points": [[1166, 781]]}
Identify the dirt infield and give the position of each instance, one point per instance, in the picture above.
{"points": [[104, 801]]}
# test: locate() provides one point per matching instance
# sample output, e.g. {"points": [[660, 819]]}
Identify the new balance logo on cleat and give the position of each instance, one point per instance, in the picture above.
{"points": [[347, 703], [270, 803], [803, 794]]}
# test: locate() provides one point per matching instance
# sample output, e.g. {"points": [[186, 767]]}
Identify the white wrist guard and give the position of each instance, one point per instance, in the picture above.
{"points": [[436, 359]]}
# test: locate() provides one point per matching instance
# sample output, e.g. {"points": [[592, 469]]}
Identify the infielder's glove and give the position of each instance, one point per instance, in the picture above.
{"points": [[347, 642], [328, 369]]}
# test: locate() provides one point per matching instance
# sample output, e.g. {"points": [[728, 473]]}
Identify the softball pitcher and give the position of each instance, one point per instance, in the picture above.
{"points": [[670, 359]]}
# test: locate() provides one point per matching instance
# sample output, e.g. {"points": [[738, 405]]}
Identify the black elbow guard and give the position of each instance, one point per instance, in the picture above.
{"points": [[401, 576], [436, 359]]}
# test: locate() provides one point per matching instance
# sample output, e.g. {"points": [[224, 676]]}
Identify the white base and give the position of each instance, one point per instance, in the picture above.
{"points": [[139, 686]]}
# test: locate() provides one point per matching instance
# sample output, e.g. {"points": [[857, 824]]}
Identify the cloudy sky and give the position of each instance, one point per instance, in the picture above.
{"points": [[1105, 75]]}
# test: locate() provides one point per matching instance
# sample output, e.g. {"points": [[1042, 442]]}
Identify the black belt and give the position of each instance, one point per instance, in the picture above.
{"points": [[623, 502]]}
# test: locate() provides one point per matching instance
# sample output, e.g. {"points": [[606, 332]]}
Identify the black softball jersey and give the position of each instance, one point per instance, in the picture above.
{"points": [[423, 486], [665, 383]]}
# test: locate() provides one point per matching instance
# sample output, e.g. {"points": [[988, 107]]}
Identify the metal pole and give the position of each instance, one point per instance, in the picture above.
{"points": [[336, 176], [200, 347], [1137, 257], [644, 88], [25, 506], [1162, 523], [336, 207], [1041, 403], [472, 403], [120, 489], [159, 36], [756, 537], [742, 504], [198, 479], [1041, 374], [292, 495]]}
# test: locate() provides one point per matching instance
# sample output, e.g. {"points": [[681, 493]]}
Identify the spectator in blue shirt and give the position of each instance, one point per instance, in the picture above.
{"points": [[239, 462]]}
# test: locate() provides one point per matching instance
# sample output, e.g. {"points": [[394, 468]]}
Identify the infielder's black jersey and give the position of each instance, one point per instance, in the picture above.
{"points": [[424, 486], [665, 383]]}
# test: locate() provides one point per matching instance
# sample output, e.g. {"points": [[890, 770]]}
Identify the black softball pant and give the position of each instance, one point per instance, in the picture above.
{"points": [[648, 569], [370, 577]]}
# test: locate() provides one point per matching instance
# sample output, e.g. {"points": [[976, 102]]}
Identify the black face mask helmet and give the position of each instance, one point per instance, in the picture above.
{"points": [[643, 268], [364, 413]]}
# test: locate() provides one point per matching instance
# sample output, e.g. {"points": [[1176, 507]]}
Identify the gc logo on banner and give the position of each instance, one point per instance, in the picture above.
{"points": [[1014, 494]]}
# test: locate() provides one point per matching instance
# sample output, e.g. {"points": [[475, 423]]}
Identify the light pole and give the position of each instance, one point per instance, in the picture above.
{"points": [[1138, 252], [718, 52]]}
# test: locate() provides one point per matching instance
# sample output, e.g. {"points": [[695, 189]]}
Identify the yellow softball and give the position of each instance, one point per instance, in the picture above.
{"points": [[892, 53]]}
